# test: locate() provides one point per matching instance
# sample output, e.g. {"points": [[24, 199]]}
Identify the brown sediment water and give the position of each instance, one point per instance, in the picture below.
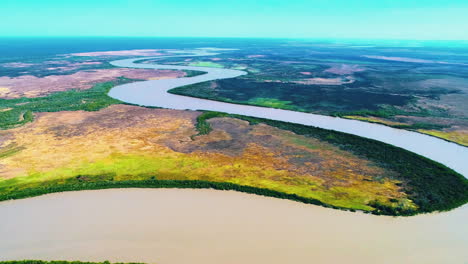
{"points": [[212, 227]]}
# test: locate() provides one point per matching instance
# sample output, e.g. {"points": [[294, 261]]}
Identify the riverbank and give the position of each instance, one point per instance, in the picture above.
{"points": [[208, 226], [155, 93], [360, 174]]}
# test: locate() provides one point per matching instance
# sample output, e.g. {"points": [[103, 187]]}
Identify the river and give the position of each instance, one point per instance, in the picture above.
{"points": [[211, 227], [154, 93], [173, 226]]}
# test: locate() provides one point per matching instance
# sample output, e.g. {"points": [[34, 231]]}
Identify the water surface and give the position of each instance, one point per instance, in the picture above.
{"points": [[212, 227], [154, 93]]}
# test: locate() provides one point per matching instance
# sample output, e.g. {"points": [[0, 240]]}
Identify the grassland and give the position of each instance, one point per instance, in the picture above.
{"points": [[427, 182], [459, 137], [83, 139], [160, 145], [292, 96], [337, 104], [166, 148], [400, 94]]}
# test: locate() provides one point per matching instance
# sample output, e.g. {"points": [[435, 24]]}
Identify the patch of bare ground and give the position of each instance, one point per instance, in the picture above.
{"points": [[31, 86]]}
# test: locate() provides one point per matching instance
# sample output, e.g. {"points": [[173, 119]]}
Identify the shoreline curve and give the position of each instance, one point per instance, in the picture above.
{"points": [[155, 93]]}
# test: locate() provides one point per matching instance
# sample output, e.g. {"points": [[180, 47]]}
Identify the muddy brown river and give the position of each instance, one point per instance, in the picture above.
{"points": [[173, 226], [212, 227]]}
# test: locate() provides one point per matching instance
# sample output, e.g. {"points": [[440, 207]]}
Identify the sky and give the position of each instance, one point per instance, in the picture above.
{"points": [[361, 19]]}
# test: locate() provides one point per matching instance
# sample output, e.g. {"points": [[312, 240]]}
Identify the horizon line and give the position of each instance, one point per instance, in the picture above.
{"points": [[231, 37]]}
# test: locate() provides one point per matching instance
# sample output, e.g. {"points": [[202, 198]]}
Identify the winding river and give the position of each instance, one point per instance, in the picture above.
{"points": [[154, 93], [211, 227]]}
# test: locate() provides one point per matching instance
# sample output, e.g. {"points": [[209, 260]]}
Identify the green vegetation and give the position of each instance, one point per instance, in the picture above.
{"points": [[79, 183], [415, 126], [420, 96], [15, 117], [204, 127], [272, 103], [272, 83], [189, 73], [324, 99], [22, 109], [9, 150], [336, 102], [109, 153], [431, 186], [460, 138]]}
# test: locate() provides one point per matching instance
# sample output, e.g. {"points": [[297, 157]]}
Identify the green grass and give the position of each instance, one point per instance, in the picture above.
{"points": [[431, 186], [92, 99], [272, 103], [15, 117]]}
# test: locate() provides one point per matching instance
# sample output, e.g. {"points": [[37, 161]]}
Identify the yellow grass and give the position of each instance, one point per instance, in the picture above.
{"points": [[4, 91], [375, 120], [458, 136], [127, 142]]}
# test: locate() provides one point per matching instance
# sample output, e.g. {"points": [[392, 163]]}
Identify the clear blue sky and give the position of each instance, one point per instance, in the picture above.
{"points": [[400, 19]]}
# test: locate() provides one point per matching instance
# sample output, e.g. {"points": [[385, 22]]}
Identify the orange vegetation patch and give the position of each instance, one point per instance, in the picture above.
{"points": [[31, 86], [135, 52], [132, 143]]}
